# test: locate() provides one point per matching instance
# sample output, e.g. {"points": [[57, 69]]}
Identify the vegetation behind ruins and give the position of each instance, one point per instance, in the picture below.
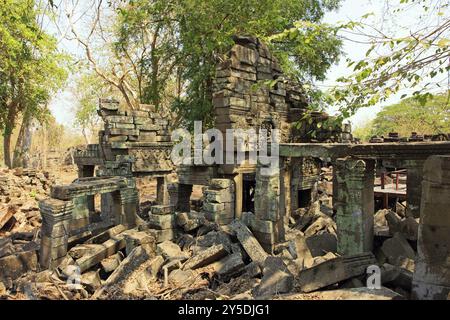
{"points": [[165, 53], [409, 116]]}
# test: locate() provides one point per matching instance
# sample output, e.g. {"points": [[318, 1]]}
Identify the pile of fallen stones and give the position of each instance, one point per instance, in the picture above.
{"points": [[20, 192], [208, 261]]}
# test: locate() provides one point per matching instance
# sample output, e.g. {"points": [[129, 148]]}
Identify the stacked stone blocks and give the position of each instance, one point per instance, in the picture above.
{"points": [[162, 220], [218, 204]]}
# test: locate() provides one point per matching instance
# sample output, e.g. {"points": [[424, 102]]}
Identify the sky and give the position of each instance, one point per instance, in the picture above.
{"points": [[63, 104]]}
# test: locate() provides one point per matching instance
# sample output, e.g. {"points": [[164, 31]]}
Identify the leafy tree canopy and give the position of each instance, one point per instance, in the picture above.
{"points": [[31, 68], [409, 115], [184, 39]]}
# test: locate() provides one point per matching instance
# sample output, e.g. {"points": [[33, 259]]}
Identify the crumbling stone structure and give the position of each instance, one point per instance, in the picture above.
{"points": [[355, 175], [66, 216], [133, 143], [431, 278], [243, 99]]}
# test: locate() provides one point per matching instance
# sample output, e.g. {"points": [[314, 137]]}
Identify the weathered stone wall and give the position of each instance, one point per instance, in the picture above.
{"points": [[143, 125], [241, 99]]}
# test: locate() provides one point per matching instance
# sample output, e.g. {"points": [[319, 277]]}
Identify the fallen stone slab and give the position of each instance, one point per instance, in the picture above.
{"points": [[276, 278], [15, 265], [333, 271], [300, 251], [180, 277], [134, 239], [228, 267], [211, 239], [111, 263], [406, 263], [320, 244], [394, 221], [249, 242], [410, 228], [170, 250], [91, 280], [206, 257], [190, 221], [102, 251], [106, 235], [396, 247], [396, 276], [322, 223], [362, 293], [155, 266], [121, 280], [252, 270]]}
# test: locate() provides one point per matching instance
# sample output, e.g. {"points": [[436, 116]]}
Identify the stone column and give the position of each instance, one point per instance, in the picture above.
{"points": [[285, 189], [355, 205], [172, 189], [184, 197], [269, 225], [294, 184], [431, 279], [129, 201], [56, 216], [107, 208], [414, 170], [238, 195], [80, 213], [85, 171], [162, 194], [335, 185]]}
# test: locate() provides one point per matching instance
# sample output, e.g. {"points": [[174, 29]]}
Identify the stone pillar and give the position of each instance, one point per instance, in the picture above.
{"points": [[85, 171], [80, 213], [238, 195], [56, 216], [184, 197], [355, 205], [219, 201], [107, 208], [295, 181], [431, 279], [335, 185], [129, 201], [285, 189], [269, 225], [414, 171], [162, 194], [172, 189]]}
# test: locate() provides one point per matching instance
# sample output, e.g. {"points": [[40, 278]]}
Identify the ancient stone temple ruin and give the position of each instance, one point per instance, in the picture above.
{"points": [[259, 212], [133, 143]]}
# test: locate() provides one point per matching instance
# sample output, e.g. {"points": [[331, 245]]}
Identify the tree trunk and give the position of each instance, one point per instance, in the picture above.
{"points": [[9, 127], [7, 148], [44, 147], [85, 135], [22, 150]]}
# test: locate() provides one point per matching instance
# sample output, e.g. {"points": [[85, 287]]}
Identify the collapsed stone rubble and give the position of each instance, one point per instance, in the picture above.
{"points": [[306, 231]]}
